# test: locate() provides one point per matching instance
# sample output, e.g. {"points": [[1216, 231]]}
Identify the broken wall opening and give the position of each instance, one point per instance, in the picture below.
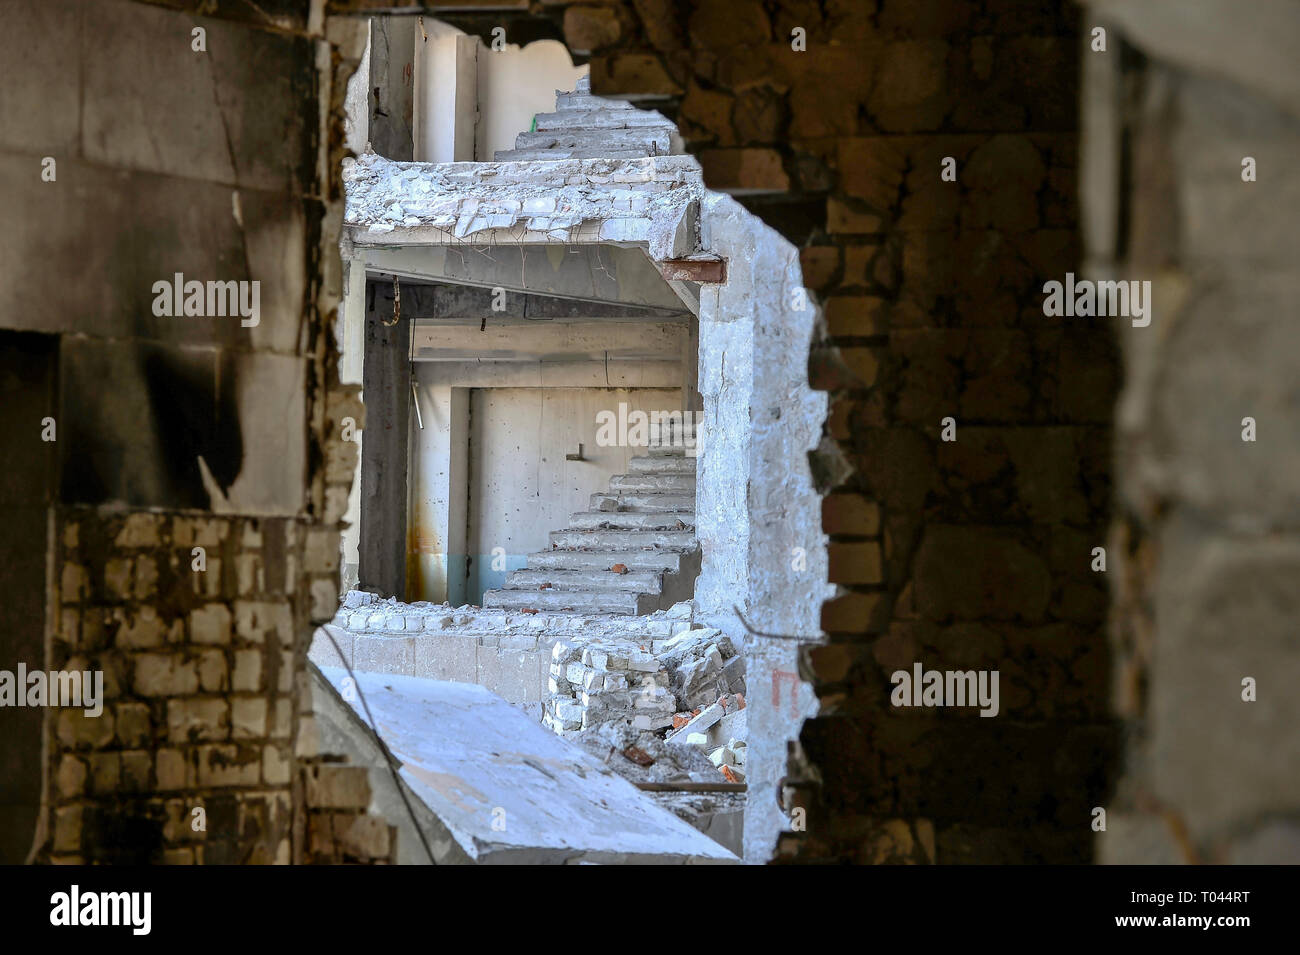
{"points": [[756, 512]]}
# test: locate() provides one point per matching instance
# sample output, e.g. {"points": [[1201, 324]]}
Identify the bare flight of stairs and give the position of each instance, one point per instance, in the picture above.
{"points": [[591, 127], [644, 522]]}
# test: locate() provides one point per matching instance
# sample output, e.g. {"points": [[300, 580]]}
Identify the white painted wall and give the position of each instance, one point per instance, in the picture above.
{"points": [[471, 100], [514, 85], [356, 104], [446, 81]]}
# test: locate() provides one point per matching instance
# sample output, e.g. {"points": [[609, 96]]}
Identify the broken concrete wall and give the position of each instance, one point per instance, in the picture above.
{"points": [[652, 201], [757, 511]]}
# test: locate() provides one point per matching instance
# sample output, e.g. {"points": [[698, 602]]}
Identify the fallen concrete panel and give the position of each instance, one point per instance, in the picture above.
{"points": [[510, 792]]}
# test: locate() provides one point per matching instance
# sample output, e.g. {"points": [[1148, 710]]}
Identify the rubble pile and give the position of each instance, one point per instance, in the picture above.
{"points": [[643, 756], [720, 730], [646, 759], [644, 684], [361, 612]]}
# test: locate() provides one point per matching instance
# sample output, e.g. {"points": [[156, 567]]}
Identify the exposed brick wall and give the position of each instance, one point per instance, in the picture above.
{"points": [[200, 673], [339, 829], [969, 554]]}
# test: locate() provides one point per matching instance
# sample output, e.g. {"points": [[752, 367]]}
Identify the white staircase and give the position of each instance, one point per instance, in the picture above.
{"points": [[644, 524]]}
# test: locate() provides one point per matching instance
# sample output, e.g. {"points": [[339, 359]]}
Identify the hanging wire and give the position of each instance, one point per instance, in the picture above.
{"points": [[397, 303], [389, 757]]}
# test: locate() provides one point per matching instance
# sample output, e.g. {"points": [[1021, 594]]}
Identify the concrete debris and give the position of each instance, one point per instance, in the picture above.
{"points": [[657, 698], [643, 757], [641, 684], [653, 199], [362, 612]]}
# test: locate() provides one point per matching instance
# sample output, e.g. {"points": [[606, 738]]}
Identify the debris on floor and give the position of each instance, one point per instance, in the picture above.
{"points": [[681, 779], [642, 683], [657, 698], [667, 714]]}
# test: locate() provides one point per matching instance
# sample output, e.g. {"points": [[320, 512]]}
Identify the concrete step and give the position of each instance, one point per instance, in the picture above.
{"points": [[555, 155], [669, 451], [677, 423], [663, 464], [620, 541], [680, 482], [633, 520], [656, 142], [620, 602], [637, 582], [600, 118], [654, 501], [585, 101], [637, 561]]}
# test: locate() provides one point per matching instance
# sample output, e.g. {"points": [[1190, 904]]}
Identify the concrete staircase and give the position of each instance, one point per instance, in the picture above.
{"points": [[645, 521], [589, 127]]}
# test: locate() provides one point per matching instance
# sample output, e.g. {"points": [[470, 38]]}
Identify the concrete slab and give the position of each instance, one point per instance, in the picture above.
{"points": [[507, 791]]}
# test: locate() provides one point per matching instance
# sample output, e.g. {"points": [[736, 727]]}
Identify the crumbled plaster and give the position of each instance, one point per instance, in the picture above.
{"points": [[653, 200]]}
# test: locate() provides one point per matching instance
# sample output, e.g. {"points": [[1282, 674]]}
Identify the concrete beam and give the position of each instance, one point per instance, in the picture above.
{"points": [[469, 304], [552, 374], [591, 273], [593, 341], [386, 389], [647, 201]]}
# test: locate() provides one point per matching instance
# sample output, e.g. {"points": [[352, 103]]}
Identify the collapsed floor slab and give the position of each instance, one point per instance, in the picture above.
{"points": [[491, 786]]}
